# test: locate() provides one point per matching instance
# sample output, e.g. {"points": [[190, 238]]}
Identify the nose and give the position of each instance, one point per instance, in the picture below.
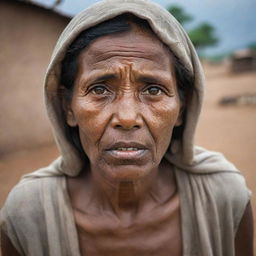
{"points": [[127, 113]]}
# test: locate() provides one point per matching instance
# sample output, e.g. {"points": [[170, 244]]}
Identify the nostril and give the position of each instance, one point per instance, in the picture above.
{"points": [[126, 120], [118, 126], [126, 126]]}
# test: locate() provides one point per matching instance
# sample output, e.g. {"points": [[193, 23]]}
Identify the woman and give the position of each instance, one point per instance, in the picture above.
{"points": [[123, 92]]}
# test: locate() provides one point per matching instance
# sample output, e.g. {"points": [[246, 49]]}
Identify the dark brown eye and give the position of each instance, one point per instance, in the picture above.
{"points": [[154, 91], [99, 90]]}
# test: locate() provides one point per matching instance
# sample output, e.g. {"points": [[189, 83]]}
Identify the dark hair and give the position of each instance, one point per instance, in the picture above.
{"points": [[119, 24]]}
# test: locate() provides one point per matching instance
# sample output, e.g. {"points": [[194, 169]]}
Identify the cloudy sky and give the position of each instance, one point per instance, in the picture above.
{"points": [[234, 20]]}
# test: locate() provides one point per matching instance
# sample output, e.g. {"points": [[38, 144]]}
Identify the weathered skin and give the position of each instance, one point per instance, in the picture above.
{"points": [[125, 92]]}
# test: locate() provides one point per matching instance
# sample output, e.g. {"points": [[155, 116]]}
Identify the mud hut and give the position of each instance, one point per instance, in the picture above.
{"points": [[243, 60], [28, 34]]}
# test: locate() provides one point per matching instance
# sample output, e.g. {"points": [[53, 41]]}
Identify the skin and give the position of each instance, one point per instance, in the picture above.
{"points": [[126, 202]]}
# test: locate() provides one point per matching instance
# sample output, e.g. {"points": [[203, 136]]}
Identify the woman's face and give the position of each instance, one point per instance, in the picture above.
{"points": [[125, 103]]}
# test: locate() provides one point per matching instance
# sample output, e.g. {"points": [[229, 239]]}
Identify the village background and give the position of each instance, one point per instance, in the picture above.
{"points": [[28, 34]]}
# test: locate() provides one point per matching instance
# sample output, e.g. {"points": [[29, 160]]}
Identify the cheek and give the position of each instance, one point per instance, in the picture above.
{"points": [[91, 120], [164, 117], [88, 115]]}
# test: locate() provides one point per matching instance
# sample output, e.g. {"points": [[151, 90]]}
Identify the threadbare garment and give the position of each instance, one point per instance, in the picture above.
{"points": [[39, 220]]}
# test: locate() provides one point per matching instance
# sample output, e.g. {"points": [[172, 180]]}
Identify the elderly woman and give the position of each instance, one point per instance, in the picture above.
{"points": [[123, 92]]}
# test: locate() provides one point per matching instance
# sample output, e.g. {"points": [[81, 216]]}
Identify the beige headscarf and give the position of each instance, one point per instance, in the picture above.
{"points": [[182, 154]]}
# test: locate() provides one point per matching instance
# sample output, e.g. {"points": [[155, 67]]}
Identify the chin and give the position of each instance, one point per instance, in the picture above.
{"points": [[127, 166], [125, 172]]}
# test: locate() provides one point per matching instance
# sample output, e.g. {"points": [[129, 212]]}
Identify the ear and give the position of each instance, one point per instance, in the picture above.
{"points": [[69, 114], [179, 120], [70, 117]]}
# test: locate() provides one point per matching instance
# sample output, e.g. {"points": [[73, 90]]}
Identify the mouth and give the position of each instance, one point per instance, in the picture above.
{"points": [[127, 150]]}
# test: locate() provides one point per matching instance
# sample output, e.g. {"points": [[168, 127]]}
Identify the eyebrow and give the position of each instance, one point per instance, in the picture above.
{"points": [[145, 78], [104, 77], [148, 79]]}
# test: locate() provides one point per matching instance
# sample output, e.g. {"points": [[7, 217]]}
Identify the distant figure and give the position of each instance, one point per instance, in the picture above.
{"points": [[123, 92]]}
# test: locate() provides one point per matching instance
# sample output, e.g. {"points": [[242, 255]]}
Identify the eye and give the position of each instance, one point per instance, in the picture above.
{"points": [[99, 90], [153, 90]]}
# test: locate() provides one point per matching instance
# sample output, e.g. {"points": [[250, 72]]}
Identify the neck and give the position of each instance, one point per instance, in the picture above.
{"points": [[124, 195], [130, 195]]}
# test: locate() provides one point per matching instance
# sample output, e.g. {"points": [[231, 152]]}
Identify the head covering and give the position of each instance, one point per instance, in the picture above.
{"points": [[182, 153]]}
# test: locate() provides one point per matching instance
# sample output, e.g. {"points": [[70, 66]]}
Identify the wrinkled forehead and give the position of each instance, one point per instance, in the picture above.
{"points": [[135, 42], [136, 45], [136, 51]]}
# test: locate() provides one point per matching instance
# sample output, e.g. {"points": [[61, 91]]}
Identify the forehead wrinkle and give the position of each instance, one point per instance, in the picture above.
{"points": [[126, 54], [133, 62], [129, 72], [103, 54], [145, 46], [101, 51], [125, 73]]}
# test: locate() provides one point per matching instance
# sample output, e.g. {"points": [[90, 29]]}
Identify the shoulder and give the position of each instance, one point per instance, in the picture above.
{"points": [[24, 213], [225, 186], [227, 190], [25, 202], [227, 183]]}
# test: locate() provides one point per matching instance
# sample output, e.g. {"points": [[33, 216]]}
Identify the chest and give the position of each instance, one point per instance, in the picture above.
{"points": [[155, 234]]}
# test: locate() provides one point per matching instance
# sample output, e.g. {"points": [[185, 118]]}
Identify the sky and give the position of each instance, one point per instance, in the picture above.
{"points": [[234, 20]]}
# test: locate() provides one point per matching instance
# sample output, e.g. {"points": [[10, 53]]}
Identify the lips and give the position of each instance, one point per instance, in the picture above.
{"points": [[126, 146], [126, 150]]}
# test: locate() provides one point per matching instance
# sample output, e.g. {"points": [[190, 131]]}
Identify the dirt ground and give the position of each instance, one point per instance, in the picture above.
{"points": [[229, 129]]}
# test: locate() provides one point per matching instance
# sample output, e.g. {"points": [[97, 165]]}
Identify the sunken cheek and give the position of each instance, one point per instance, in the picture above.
{"points": [[91, 120], [165, 121]]}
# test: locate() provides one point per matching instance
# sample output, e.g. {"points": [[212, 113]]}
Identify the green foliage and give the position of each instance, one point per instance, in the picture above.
{"points": [[179, 14], [202, 36], [252, 46]]}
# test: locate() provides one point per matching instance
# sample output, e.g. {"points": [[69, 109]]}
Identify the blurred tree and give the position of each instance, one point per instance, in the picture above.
{"points": [[56, 3], [181, 16], [202, 36], [252, 46]]}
